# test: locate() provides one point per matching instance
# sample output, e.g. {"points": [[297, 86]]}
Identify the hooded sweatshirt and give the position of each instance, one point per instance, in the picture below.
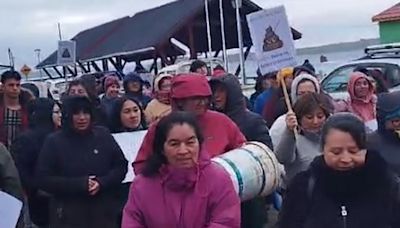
{"points": [[157, 108], [279, 126], [386, 141], [220, 133], [364, 108], [250, 124], [139, 96], [185, 198]]}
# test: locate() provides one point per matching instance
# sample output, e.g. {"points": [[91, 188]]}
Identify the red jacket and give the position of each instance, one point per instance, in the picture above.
{"points": [[220, 133]]}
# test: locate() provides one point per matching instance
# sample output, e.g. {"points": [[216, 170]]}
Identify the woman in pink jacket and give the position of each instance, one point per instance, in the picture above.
{"points": [[180, 187], [362, 100]]}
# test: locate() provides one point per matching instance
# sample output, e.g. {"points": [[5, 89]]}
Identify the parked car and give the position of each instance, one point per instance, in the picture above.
{"points": [[385, 58]]}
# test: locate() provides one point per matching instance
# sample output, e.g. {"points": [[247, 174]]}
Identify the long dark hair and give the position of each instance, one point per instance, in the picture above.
{"points": [[73, 105], [40, 113], [115, 122], [163, 128]]}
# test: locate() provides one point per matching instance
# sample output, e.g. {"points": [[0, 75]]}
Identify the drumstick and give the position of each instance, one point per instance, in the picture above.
{"points": [[287, 100]]}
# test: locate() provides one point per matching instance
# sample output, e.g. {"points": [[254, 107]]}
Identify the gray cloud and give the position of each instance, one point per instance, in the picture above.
{"points": [[26, 25]]}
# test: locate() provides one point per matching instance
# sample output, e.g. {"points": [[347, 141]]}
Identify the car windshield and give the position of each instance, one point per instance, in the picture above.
{"points": [[337, 81], [388, 74]]}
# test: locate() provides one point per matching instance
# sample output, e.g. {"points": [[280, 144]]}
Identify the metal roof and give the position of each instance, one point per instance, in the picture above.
{"points": [[140, 36], [391, 14]]}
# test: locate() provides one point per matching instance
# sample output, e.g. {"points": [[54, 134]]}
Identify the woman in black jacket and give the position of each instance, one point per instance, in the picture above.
{"points": [[82, 167], [43, 120], [80, 87], [347, 187]]}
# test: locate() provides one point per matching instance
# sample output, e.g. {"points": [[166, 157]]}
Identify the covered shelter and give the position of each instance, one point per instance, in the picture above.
{"points": [[147, 36]]}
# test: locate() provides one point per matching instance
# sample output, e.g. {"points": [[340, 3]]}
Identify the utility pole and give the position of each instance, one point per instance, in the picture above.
{"points": [[37, 51]]}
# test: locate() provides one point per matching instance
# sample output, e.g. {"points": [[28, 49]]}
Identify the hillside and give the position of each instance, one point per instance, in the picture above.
{"points": [[339, 47]]}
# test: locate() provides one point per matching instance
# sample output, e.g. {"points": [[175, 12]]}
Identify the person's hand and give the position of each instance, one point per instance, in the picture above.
{"points": [[94, 187], [291, 121]]}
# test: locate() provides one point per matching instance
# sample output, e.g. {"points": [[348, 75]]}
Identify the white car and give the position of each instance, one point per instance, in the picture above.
{"points": [[385, 58]]}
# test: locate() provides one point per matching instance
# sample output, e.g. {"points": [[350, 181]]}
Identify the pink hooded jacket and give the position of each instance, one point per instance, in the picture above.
{"points": [[181, 198], [363, 108]]}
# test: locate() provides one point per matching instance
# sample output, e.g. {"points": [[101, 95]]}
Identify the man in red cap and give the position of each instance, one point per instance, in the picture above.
{"points": [[192, 93]]}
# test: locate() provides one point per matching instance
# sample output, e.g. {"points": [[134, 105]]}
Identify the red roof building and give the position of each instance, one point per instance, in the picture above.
{"points": [[391, 14], [389, 24]]}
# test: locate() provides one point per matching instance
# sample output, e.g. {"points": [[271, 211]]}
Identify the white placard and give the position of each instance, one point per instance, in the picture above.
{"points": [[272, 39], [371, 125], [66, 54], [10, 209], [130, 143]]}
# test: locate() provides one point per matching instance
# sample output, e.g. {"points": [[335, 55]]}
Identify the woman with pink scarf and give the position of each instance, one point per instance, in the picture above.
{"points": [[362, 100], [180, 186]]}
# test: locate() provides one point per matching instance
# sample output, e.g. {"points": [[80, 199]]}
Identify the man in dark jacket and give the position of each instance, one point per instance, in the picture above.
{"points": [[386, 139], [82, 167], [229, 99]]}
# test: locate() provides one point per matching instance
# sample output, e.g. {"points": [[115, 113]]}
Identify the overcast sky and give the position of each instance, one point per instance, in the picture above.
{"points": [[29, 24]]}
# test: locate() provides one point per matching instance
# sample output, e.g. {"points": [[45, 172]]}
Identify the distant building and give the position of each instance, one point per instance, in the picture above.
{"points": [[389, 24]]}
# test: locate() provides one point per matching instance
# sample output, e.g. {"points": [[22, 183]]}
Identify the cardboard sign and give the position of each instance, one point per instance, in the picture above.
{"points": [[130, 143], [66, 54], [10, 209], [272, 39]]}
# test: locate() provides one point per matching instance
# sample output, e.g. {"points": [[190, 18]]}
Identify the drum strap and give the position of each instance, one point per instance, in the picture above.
{"points": [[261, 165], [237, 173]]}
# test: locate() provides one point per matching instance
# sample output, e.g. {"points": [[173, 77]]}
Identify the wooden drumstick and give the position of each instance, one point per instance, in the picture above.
{"points": [[287, 99]]}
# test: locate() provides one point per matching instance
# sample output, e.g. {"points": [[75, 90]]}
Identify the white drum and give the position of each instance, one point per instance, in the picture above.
{"points": [[253, 168]]}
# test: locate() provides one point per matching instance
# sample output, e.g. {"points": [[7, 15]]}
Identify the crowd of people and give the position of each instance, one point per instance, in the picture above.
{"points": [[60, 157]]}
